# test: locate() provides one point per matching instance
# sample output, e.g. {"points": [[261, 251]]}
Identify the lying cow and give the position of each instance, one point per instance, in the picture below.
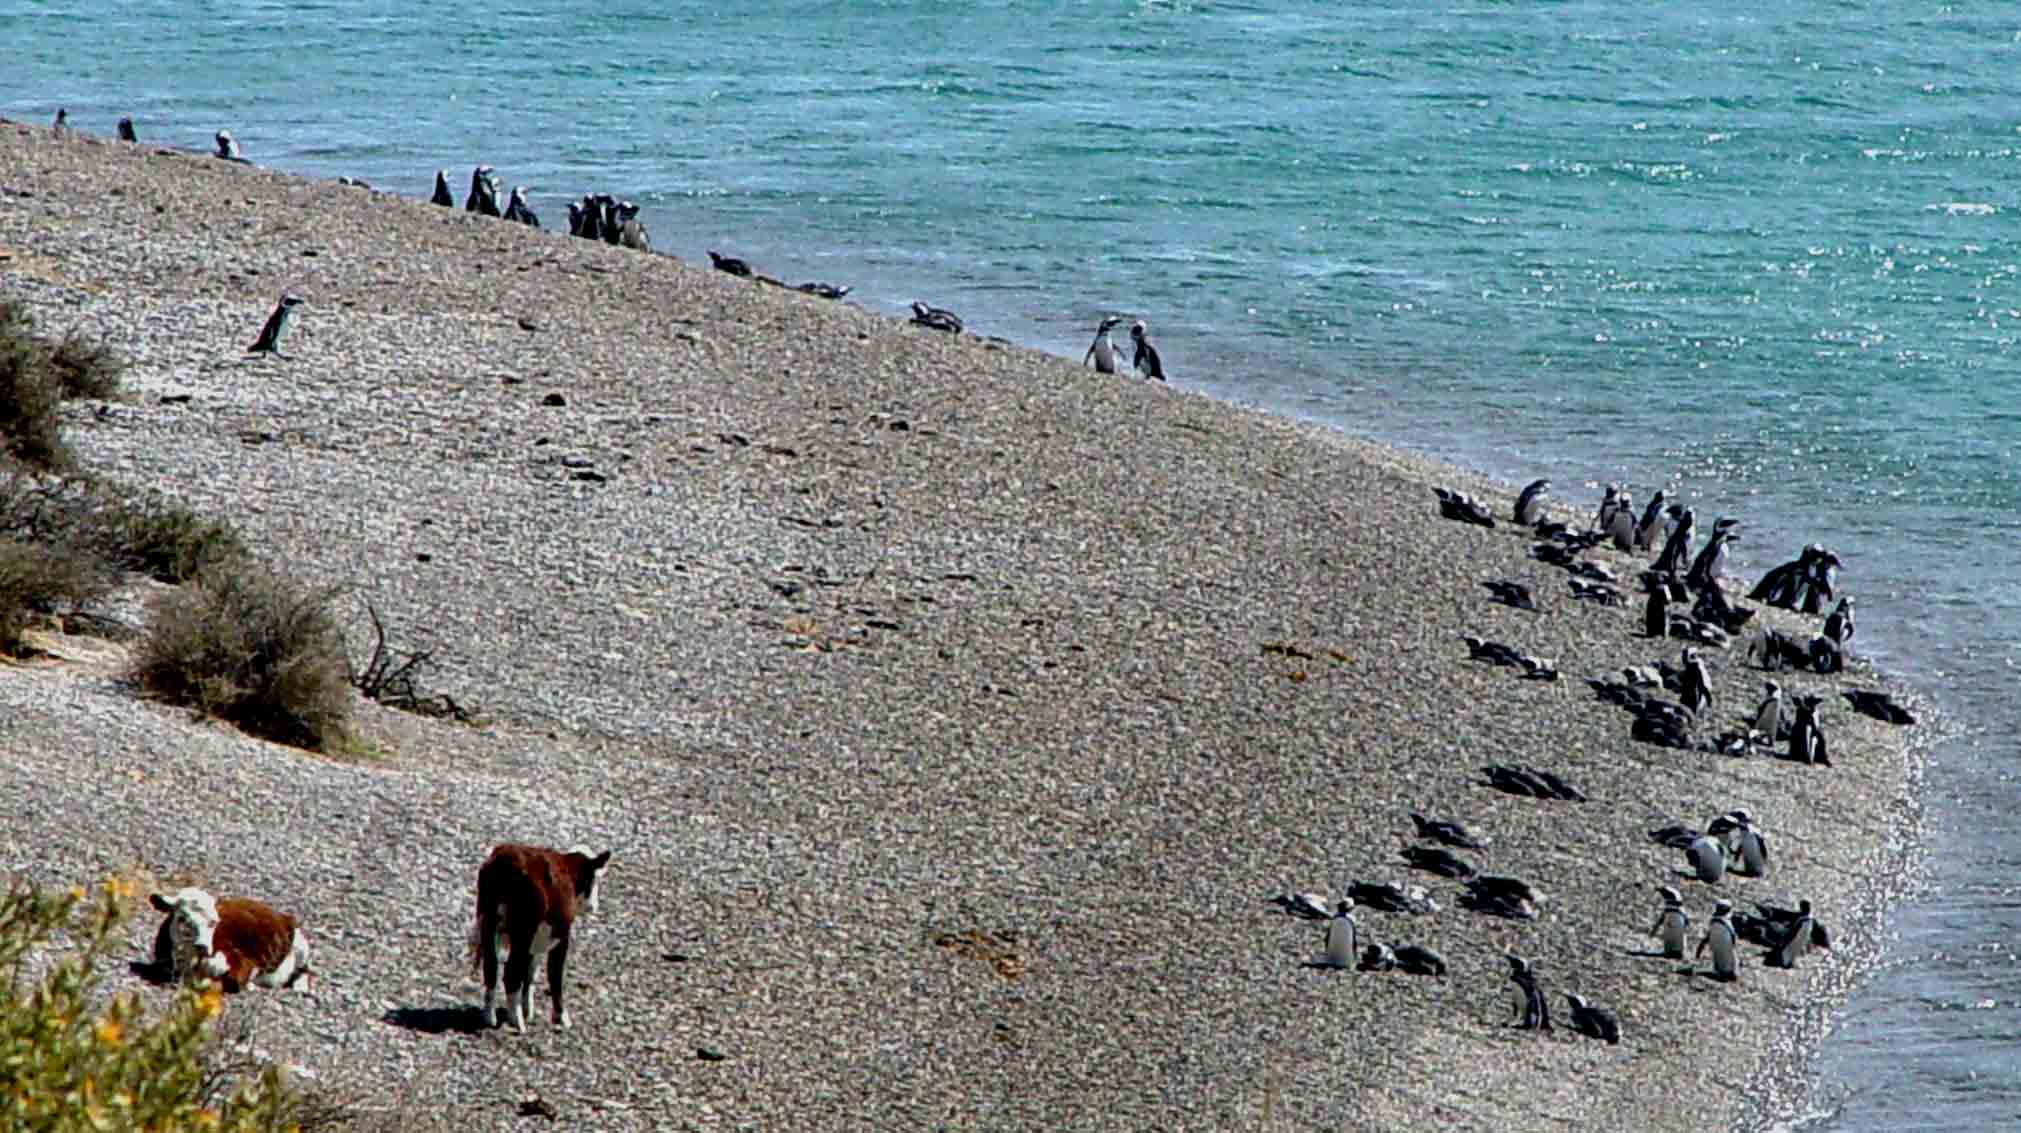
{"points": [[235, 941], [527, 901]]}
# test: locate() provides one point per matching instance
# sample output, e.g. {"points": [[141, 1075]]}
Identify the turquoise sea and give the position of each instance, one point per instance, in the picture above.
{"points": [[1765, 254]]}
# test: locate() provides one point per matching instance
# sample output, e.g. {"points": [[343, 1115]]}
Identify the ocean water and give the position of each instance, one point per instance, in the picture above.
{"points": [[1767, 255]]}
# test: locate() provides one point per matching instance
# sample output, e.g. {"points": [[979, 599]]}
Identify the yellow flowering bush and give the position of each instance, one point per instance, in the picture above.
{"points": [[72, 1060]]}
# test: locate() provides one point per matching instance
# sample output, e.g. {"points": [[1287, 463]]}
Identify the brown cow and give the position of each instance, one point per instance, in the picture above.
{"points": [[527, 901], [235, 940]]}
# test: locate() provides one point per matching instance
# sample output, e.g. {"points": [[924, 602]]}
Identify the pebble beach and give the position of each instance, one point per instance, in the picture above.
{"points": [[953, 711]]}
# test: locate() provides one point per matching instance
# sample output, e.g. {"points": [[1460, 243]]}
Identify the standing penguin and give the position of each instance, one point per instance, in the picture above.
{"points": [[1672, 923], [1534, 1009], [1768, 718], [126, 133], [1710, 564], [1340, 937], [483, 198], [1652, 522], [442, 195], [1656, 615], [269, 341], [1609, 504], [1677, 549], [1694, 688], [228, 149], [1797, 944], [1806, 740], [518, 210], [1146, 361], [1102, 352], [1839, 626], [1530, 505], [1621, 525], [1722, 939]]}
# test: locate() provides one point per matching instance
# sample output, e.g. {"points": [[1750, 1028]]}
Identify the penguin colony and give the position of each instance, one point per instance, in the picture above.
{"points": [[604, 217], [1673, 705]]}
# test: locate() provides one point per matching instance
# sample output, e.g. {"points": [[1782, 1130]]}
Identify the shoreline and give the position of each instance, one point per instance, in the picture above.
{"points": [[1121, 419]]}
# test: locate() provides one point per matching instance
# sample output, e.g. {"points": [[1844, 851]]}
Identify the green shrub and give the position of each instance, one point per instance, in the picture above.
{"points": [[246, 645], [35, 575], [72, 1060]]}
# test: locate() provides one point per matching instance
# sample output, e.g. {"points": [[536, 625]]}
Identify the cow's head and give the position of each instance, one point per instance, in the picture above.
{"points": [[588, 871], [193, 923]]}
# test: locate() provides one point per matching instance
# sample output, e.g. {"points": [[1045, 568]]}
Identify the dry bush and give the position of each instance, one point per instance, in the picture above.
{"points": [[84, 369], [166, 540], [249, 646], [36, 577], [31, 397]]}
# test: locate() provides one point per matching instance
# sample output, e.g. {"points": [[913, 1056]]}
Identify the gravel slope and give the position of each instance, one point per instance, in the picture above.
{"points": [[952, 711]]}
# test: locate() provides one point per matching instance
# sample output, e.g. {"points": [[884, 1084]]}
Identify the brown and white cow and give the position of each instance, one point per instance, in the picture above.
{"points": [[527, 901], [234, 940]]}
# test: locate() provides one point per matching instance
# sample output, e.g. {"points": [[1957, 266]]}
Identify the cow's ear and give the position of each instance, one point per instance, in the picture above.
{"points": [[160, 902], [601, 860]]}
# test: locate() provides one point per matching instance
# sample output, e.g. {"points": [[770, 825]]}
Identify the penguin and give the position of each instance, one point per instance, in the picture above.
{"points": [[1839, 626], [1340, 937], [518, 210], [1750, 846], [1102, 352], [1609, 504], [1419, 961], [936, 318], [483, 198], [1694, 686], [1672, 923], [1594, 1022], [1721, 938], [1677, 549], [1621, 525], [1707, 858], [1305, 906], [632, 234], [1806, 739], [61, 126], [1656, 615], [1768, 717], [1534, 1010], [442, 195], [1710, 564], [1796, 944], [823, 290], [126, 132], [616, 215], [1652, 522], [1451, 833], [228, 149], [729, 265], [269, 341], [1377, 958], [1530, 504], [1435, 860], [1146, 361], [1817, 581]]}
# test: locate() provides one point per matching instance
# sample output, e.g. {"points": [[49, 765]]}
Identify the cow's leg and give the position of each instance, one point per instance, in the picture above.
{"points": [[557, 981], [490, 952], [518, 978]]}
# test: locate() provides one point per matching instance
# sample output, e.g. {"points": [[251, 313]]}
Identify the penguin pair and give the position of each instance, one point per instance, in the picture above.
{"points": [[1108, 360]]}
